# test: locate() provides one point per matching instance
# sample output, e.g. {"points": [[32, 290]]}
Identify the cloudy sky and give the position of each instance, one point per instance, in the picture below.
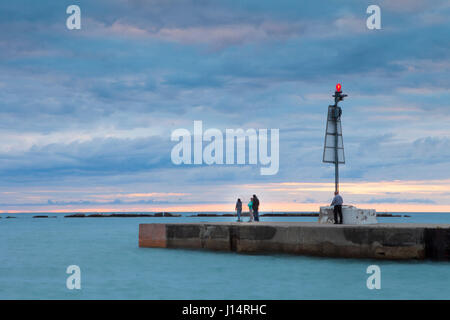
{"points": [[86, 115]]}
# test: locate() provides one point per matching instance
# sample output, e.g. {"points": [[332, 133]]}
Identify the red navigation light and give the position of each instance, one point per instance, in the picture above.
{"points": [[338, 87]]}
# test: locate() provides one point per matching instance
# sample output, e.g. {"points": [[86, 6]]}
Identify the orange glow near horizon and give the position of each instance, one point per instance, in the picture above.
{"points": [[265, 207], [279, 197], [368, 188]]}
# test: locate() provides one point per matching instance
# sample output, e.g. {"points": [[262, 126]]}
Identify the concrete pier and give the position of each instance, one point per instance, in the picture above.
{"points": [[379, 241]]}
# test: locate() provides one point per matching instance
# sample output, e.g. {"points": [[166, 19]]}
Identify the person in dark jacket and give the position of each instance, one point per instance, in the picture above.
{"points": [[239, 209], [255, 207], [337, 203]]}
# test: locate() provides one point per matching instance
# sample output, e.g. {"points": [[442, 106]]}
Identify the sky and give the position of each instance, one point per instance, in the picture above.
{"points": [[86, 115]]}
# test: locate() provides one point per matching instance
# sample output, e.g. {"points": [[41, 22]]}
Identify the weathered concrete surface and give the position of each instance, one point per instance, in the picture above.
{"points": [[350, 215], [380, 241], [152, 235]]}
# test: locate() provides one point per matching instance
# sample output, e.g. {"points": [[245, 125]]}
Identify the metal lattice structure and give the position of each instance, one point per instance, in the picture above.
{"points": [[333, 150], [333, 137]]}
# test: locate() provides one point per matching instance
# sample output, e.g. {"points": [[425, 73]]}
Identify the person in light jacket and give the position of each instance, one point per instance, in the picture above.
{"points": [[250, 210], [337, 203]]}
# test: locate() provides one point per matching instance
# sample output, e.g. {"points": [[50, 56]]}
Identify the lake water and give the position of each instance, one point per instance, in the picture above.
{"points": [[34, 255]]}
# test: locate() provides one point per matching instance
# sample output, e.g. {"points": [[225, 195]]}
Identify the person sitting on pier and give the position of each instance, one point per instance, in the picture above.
{"points": [[337, 203], [239, 209]]}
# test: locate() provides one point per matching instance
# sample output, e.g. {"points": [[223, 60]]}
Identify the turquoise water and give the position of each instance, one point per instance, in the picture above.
{"points": [[34, 255]]}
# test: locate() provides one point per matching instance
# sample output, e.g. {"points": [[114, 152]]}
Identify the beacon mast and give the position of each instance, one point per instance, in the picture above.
{"points": [[333, 151]]}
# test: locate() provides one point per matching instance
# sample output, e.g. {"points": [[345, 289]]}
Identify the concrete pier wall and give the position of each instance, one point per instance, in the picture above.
{"points": [[350, 215], [380, 241]]}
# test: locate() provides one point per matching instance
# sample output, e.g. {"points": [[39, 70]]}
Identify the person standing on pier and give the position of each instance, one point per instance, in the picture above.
{"points": [[337, 203], [239, 209], [255, 207], [250, 210]]}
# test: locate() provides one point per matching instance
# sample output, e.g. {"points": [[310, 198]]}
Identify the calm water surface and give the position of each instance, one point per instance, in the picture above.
{"points": [[34, 255]]}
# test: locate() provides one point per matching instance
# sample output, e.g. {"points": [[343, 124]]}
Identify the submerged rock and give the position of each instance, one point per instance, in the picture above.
{"points": [[168, 214], [122, 215], [131, 215], [76, 215]]}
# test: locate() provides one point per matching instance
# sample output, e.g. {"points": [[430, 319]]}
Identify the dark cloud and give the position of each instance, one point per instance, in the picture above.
{"points": [[98, 157], [160, 65]]}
